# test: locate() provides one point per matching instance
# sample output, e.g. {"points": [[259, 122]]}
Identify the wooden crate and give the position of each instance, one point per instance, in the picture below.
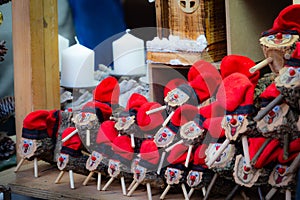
{"points": [[206, 17]]}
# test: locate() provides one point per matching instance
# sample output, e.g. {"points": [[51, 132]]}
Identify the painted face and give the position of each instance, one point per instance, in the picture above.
{"points": [[190, 130], [224, 159], [279, 47], [289, 77], [234, 125], [94, 160], [163, 137], [85, 120], [176, 97], [62, 161], [173, 175], [124, 123], [113, 168], [273, 119], [194, 178], [139, 173], [244, 175], [279, 176], [27, 147], [278, 39]]}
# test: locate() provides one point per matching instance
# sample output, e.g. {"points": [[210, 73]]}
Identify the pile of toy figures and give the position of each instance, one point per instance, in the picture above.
{"points": [[213, 129]]}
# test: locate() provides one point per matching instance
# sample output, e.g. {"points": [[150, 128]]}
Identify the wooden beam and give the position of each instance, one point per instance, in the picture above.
{"points": [[35, 49]]}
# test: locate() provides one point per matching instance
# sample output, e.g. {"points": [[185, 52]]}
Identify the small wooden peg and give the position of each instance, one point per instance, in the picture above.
{"points": [[261, 65], [35, 167], [60, 175], [72, 185], [86, 180], [99, 181], [19, 165]]}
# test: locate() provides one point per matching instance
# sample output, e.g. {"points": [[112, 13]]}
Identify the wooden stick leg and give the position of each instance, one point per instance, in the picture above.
{"points": [[163, 155], [246, 150], [288, 195], [233, 192], [132, 140], [60, 175], [123, 185], [131, 185], [271, 193], [203, 191], [19, 165], [210, 186], [86, 180], [72, 185], [191, 192], [88, 137], [185, 194], [108, 183], [99, 181], [133, 189], [186, 164], [163, 195], [35, 168], [149, 192]]}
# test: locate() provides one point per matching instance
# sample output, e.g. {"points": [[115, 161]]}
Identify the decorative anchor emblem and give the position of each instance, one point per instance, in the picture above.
{"points": [[188, 6]]}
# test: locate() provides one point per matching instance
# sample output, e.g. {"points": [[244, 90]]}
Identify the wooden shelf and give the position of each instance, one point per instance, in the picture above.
{"points": [[43, 187]]}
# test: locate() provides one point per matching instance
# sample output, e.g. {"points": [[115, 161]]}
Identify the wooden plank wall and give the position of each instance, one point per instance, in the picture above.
{"points": [[35, 49]]}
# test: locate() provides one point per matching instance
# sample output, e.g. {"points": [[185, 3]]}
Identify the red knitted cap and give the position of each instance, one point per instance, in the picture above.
{"points": [[269, 94], [53, 122], [269, 154], [205, 85], [237, 94], [288, 19], [236, 63], [178, 154], [122, 147], [73, 145], [200, 67], [35, 125], [136, 101], [294, 149], [149, 122], [149, 152], [107, 91], [106, 132], [184, 114], [102, 110], [213, 127], [199, 155]]}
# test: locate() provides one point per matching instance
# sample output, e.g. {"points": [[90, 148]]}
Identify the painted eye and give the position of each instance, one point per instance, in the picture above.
{"points": [[287, 36], [128, 118], [276, 108], [271, 37], [228, 118], [298, 70], [240, 118], [175, 172], [30, 143]]}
